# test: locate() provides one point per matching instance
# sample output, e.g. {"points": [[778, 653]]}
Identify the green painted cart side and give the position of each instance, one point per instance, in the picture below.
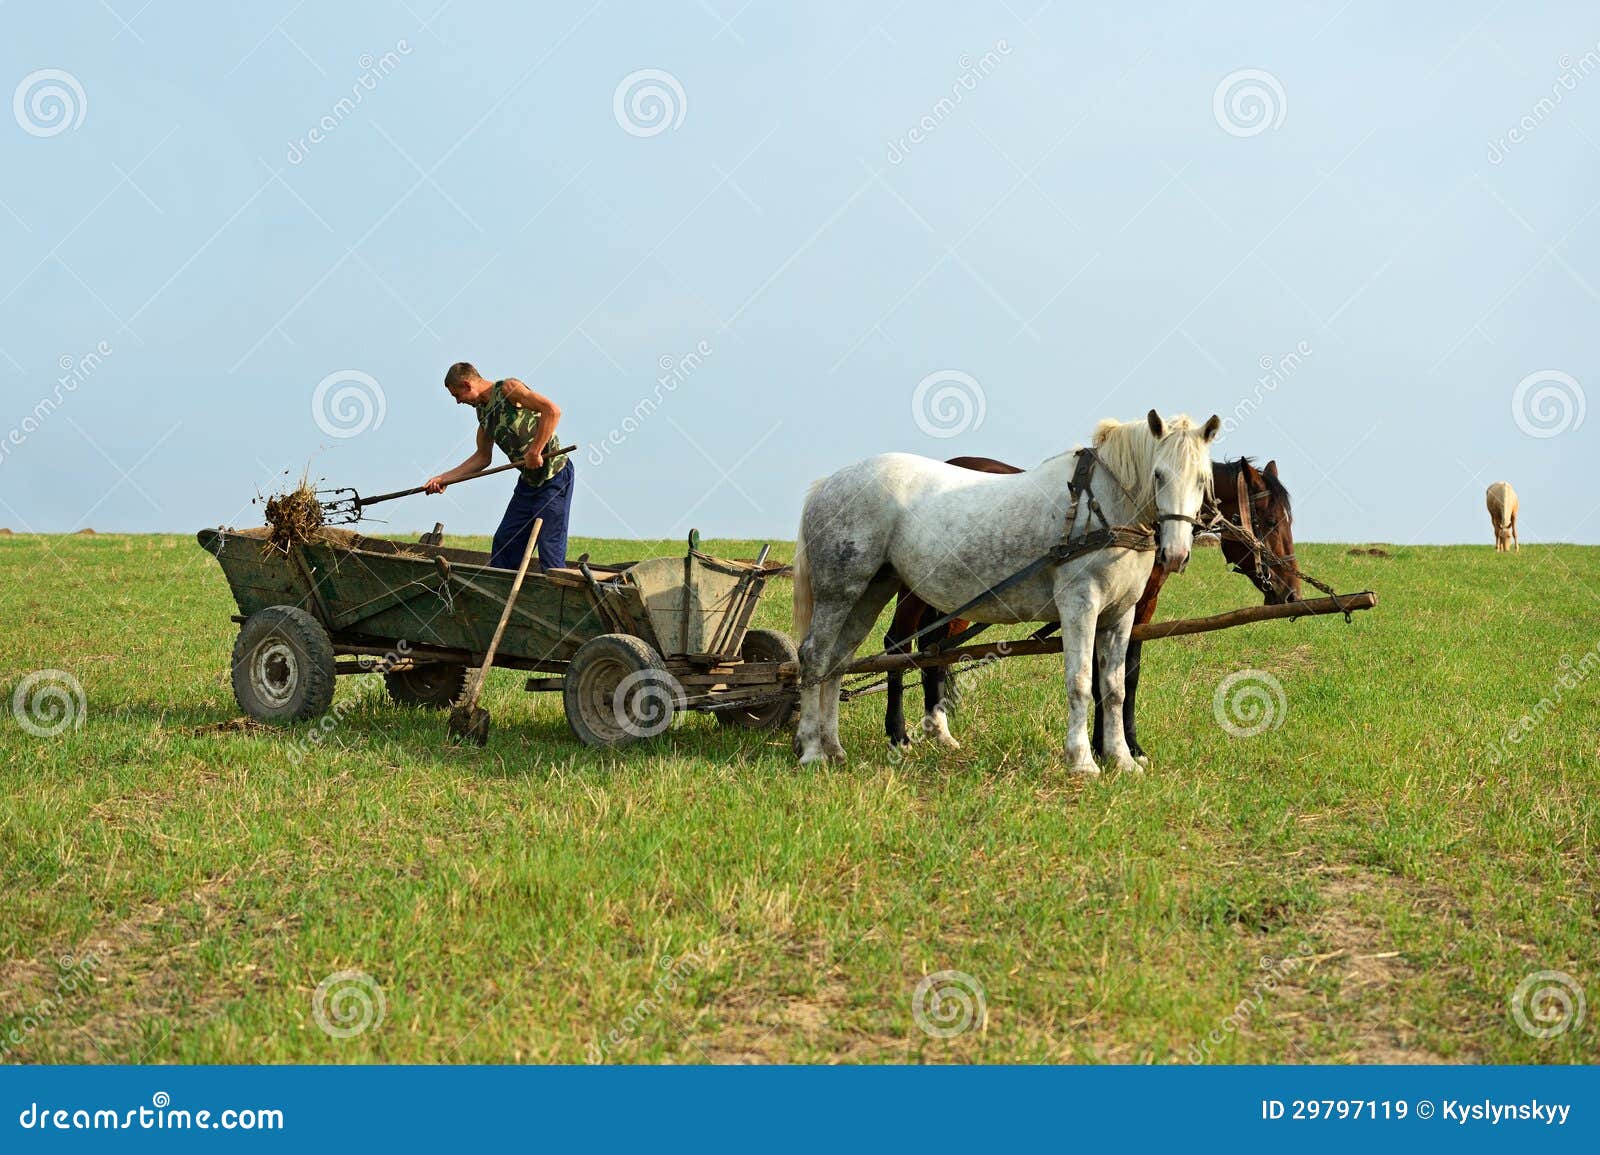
{"points": [[427, 612]]}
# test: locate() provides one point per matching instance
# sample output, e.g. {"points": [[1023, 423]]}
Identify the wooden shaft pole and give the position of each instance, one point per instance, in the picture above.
{"points": [[1345, 603]]}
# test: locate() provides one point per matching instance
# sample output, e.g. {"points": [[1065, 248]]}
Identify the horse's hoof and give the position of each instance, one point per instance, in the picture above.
{"points": [[1143, 759], [1084, 768], [1129, 766], [838, 756], [900, 743], [948, 742]]}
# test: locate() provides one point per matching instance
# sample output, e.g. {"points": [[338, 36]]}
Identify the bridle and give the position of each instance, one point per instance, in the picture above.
{"points": [[1265, 559], [1130, 537]]}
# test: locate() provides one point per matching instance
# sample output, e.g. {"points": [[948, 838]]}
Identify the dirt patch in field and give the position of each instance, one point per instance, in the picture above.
{"points": [[85, 532], [1369, 551], [232, 726], [1366, 965], [6, 533], [129, 977]]}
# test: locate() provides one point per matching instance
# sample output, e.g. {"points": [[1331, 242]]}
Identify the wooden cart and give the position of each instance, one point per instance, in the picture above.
{"points": [[627, 645]]}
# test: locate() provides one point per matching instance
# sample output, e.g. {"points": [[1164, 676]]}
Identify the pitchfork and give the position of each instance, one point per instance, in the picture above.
{"points": [[345, 510]]}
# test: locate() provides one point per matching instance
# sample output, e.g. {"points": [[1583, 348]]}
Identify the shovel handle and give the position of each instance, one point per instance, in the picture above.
{"points": [[363, 502], [505, 615]]}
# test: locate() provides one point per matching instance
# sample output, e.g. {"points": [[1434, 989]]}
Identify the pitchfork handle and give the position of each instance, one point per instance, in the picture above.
{"points": [[366, 501]]}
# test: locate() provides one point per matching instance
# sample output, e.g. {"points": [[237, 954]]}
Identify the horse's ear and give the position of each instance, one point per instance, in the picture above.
{"points": [[1211, 428], [1158, 427], [1272, 469]]}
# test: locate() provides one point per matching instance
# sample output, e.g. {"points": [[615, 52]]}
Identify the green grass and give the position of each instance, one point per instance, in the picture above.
{"points": [[705, 898]]}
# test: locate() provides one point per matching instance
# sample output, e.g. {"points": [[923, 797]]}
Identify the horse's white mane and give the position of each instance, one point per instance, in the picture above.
{"points": [[1128, 449]]}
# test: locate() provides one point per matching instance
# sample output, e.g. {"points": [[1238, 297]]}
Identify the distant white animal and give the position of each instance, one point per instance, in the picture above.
{"points": [[1503, 512]]}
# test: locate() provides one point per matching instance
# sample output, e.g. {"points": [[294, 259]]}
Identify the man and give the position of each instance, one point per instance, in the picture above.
{"points": [[522, 424]]}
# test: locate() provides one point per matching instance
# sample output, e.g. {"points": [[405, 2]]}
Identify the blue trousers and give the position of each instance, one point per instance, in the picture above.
{"points": [[551, 501]]}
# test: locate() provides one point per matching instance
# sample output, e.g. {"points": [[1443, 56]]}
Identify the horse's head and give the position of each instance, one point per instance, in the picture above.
{"points": [[1182, 481], [1255, 500]]}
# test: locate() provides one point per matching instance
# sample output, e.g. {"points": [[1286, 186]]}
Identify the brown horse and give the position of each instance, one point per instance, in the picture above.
{"points": [[1245, 496]]}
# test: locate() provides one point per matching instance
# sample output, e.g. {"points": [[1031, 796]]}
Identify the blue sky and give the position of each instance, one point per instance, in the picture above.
{"points": [[1366, 233]]}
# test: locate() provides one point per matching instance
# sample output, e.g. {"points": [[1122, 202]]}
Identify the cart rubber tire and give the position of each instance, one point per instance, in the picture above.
{"points": [[283, 666], [612, 667], [432, 685], [765, 646]]}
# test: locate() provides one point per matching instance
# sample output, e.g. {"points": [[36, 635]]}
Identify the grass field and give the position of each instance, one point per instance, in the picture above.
{"points": [[1368, 881]]}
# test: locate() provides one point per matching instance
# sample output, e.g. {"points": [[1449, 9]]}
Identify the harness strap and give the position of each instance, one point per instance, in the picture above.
{"points": [[1134, 537]]}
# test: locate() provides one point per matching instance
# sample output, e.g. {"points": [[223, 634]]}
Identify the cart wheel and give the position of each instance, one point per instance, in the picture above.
{"points": [[765, 646], [617, 691], [433, 686], [283, 666]]}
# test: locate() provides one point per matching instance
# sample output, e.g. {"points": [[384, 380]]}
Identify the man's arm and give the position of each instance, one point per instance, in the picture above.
{"points": [[482, 457], [549, 416]]}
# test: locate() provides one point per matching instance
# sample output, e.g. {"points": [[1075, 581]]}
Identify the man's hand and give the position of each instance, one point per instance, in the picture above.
{"points": [[534, 460], [435, 485]]}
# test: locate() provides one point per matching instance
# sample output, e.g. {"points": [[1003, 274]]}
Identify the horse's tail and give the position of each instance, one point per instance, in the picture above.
{"points": [[804, 602]]}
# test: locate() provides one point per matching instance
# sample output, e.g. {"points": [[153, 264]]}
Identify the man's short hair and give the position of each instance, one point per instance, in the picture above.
{"points": [[460, 373]]}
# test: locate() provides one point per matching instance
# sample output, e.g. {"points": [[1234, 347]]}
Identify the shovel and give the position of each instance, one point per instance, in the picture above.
{"points": [[468, 721], [344, 506]]}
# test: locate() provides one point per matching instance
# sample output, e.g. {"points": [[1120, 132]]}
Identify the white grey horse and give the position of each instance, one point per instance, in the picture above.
{"points": [[950, 534]]}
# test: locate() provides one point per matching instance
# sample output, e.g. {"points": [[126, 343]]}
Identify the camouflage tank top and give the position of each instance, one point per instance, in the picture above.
{"points": [[513, 429]]}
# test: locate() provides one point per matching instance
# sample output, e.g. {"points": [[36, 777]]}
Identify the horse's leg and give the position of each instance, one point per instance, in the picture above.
{"points": [[1078, 610], [894, 715], [853, 630], [1130, 678], [1144, 612], [828, 617], [1097, 741], [1515, 540], [1112, 646], [936, 682]]}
